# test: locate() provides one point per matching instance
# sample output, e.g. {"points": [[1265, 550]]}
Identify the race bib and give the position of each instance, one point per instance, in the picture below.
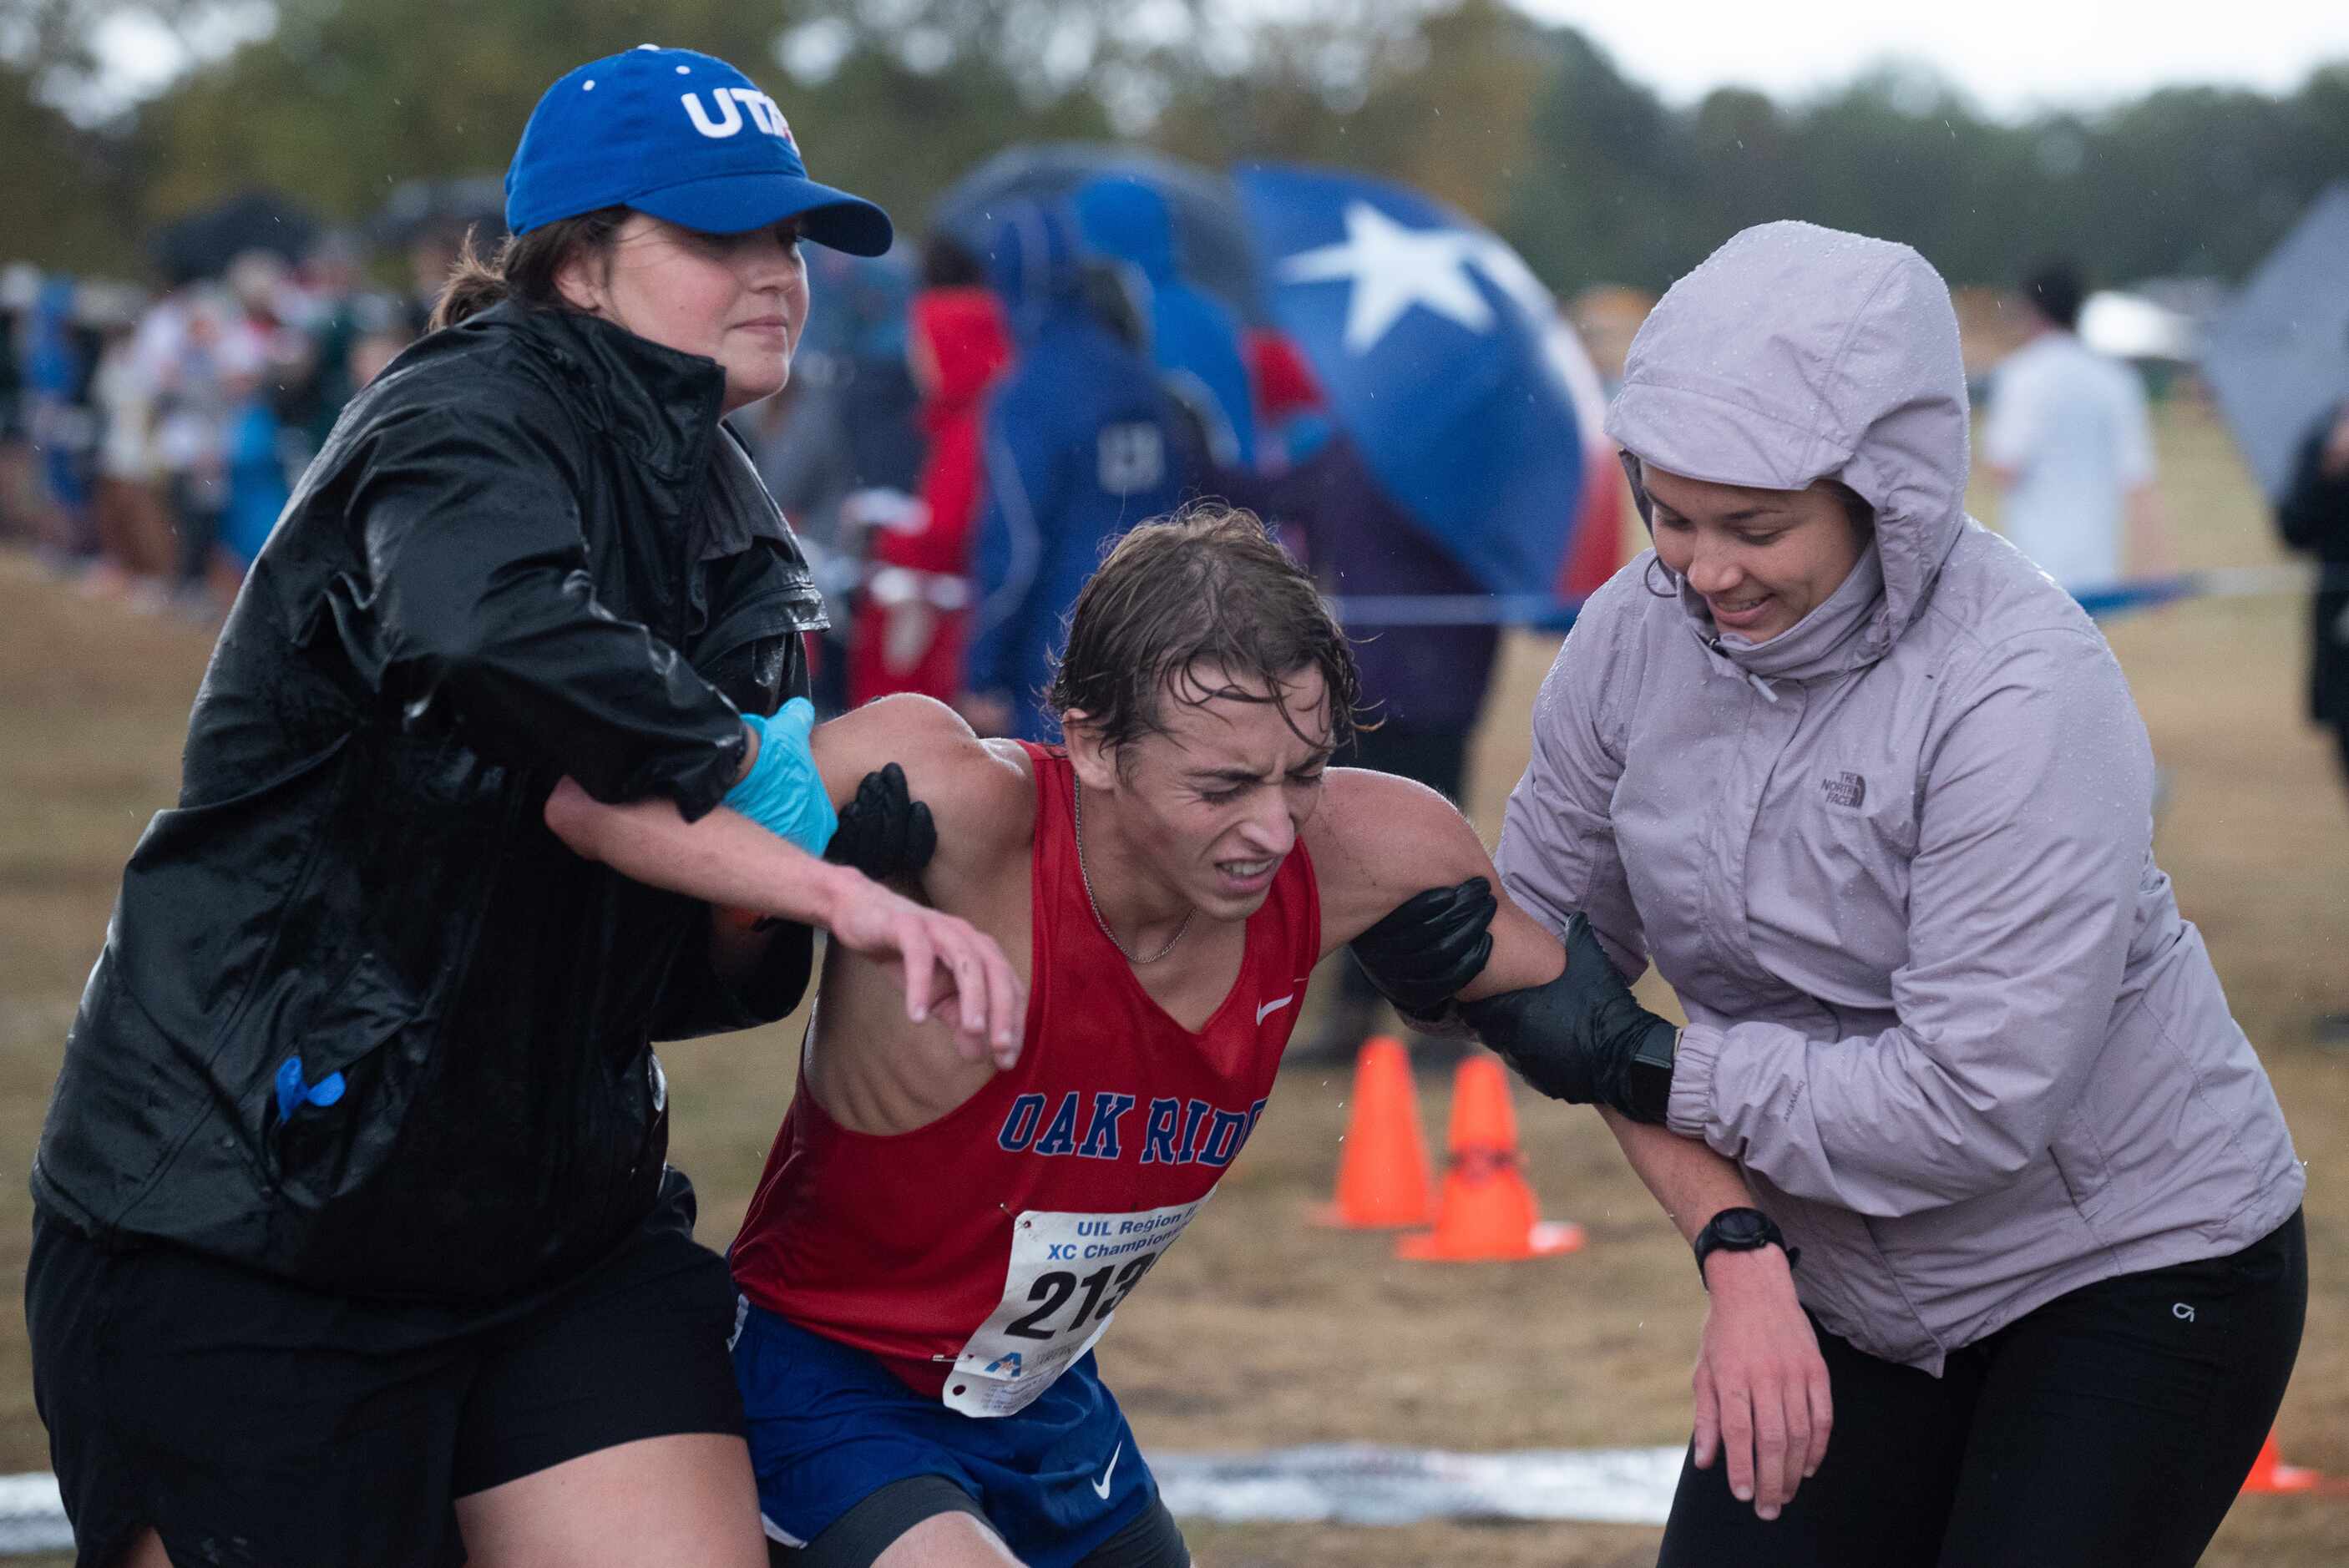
{"points": [[1068, 1274]]}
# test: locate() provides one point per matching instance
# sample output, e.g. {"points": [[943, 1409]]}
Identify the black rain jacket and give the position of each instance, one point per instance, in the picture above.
{"points": [[529, 550]]}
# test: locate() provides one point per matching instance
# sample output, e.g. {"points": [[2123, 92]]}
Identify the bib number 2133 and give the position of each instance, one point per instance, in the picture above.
{"points": [[1068, 1274]]}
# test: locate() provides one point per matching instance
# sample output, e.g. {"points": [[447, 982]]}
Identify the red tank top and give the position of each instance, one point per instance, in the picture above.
{"points": [[981, 1254]]}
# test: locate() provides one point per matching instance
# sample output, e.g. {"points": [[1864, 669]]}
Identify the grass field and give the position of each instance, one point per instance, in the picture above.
{"points": [[1260, 1329]]}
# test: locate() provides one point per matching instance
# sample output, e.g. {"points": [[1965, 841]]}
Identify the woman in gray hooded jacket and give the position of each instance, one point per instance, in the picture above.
{"points": [[1872, 794]]}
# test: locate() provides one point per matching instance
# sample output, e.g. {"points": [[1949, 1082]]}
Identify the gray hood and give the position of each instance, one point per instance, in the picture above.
{"points": [[1795, 354]]}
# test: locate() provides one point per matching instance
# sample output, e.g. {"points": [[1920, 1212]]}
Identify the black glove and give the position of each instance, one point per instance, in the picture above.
{"points": [[1429, 947], [884, 833], [1582, 1038]]}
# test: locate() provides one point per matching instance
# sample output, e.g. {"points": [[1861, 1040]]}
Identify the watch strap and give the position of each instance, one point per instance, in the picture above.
{"points": [[1751, 1230], [1648, 1081]]}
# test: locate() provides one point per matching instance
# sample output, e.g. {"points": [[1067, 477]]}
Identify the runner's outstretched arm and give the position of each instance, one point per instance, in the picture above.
{"points": [[1402, 869], [730, 861]]}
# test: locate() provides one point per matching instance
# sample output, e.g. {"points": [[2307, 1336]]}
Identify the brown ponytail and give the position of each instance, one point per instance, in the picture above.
{"points": [[524, 268]]}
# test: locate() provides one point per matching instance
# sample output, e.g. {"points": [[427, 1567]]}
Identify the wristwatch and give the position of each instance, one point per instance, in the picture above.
{"points": [[1741, 1231], [1650, 1081]]}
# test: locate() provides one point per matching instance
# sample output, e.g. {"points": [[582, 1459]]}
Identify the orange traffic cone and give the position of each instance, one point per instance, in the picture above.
{"points": [[1487, 1211], [2270, 1473], [1382, 1181]]}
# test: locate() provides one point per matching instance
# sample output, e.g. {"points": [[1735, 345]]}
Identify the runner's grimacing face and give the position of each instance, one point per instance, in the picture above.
{"points": [[739, 299], [1209, 809]]}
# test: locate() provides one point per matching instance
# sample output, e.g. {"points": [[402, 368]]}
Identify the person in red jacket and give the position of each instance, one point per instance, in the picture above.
{"points": [[911, 623]]}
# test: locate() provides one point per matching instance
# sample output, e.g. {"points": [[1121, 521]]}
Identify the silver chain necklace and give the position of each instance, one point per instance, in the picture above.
{"points": [[1086, 877]]}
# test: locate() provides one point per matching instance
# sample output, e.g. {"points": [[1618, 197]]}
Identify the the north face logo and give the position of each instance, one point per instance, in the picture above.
{"points": [[728, 118], [1845, 790]]}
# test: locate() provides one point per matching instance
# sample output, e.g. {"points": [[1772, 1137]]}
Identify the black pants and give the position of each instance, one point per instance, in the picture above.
{"points": [[2109, 1428]]}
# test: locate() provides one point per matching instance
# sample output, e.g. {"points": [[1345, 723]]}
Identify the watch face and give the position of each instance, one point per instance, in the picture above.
{"points": [[1740, 1228]]}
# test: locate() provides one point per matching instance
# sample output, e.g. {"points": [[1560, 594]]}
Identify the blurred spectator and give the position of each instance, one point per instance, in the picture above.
{"points": [[334, 320], [948, 265], [858, 323], [199, 354], [257, 487], [798, 442], [148, 446], [20, 284], [272, 313], [2314, 519], [134, 529], [841, 427], [912, 621], [2068, 443], [1423, 686], [1081, 442], [431, 255], [1116, 297], [1194, 337], [1285, 392], [60, 358], [371, 354]]}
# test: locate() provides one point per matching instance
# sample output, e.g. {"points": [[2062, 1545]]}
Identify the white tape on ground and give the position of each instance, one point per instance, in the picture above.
{"points": [[1335, 1483], [31, 1516], [1364, 1483]]}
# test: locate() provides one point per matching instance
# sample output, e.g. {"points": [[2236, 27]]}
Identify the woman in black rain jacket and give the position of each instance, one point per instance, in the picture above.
{"points": [[352, 1218]]}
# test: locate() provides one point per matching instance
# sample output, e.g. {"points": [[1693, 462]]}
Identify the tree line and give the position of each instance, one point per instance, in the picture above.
{"points": [[1530, 128]]}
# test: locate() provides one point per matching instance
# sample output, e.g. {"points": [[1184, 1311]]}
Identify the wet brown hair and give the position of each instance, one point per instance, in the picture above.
{"points": [[525, 267], [1207, 586]]}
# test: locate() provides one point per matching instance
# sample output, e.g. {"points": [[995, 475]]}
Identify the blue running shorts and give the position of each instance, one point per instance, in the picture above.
{"points": [[830, 1425]]}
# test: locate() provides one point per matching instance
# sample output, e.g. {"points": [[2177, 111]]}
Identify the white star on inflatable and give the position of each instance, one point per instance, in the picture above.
{"points": [[1392, 269]]}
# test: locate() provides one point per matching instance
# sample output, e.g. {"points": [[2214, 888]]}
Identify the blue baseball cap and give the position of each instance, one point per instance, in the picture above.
{"points": [[681, 136]]}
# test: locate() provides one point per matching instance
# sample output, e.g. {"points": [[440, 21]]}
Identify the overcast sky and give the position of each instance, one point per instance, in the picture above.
{"points": [[2011, 55]]}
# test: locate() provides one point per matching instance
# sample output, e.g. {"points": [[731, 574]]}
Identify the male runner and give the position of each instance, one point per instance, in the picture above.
{"points": [[938, 1240]]}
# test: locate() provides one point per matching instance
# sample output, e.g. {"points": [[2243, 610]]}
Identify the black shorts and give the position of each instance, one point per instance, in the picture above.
{"points": [[250, 1420]]}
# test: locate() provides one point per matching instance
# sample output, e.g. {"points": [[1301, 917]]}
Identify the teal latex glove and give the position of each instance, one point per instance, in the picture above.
{"points": [[783, 793]]}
